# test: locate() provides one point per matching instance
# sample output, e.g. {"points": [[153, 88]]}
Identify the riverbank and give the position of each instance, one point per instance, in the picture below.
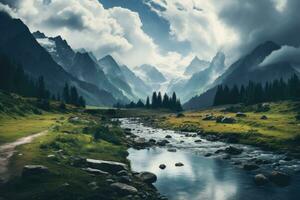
{"points": [[272, 126]]}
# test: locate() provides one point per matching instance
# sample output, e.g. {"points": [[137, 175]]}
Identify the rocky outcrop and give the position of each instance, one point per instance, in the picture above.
{"points": [[29, 170]]}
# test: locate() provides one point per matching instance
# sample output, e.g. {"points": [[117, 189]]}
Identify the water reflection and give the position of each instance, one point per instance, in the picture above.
{"points": [[202, 178]]}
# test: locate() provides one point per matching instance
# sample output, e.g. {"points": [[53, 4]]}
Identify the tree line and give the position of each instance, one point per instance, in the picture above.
{"points": [[157, 101], [13, 79], [253, 93]]}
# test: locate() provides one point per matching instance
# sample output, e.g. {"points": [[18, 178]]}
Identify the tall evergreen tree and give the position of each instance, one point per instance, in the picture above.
{"points": [[148, 103], [74, 96], [154, 100], [66, 93], [159, 100]]}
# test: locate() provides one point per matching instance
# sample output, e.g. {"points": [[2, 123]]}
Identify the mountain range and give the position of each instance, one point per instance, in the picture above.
{"points": [[245, 69], [199, 81], [104, 81]]}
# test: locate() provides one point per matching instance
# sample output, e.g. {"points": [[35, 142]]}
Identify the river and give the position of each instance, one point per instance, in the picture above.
{"points": [[205, 174]]}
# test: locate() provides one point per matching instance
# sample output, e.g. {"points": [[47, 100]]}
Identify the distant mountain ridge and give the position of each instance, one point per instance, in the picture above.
{"points": [[199, 81], [245, 69], [196, 66], [17, 43]]}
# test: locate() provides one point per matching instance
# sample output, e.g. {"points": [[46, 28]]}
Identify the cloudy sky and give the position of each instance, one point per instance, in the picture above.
{"points": [[164, 33]]}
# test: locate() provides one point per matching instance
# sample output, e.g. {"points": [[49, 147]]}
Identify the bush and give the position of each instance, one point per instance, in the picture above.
{"points": [[103, 133], [180, 115]]}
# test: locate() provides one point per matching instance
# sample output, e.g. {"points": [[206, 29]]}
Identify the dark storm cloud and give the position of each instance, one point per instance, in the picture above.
{"points": [[257, 21], [11, 3]]}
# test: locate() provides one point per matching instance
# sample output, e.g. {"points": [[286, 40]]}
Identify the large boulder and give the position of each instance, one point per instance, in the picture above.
{"points": [[233, 150], [280, 178], [107, 166], [29, 170], [147, 177], [264, 117], [260, 179], [124, 189]]}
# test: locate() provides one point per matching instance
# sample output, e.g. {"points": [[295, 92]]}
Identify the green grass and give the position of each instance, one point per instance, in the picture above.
{"points": [[278, 131], [12, 129], [65, 146]]}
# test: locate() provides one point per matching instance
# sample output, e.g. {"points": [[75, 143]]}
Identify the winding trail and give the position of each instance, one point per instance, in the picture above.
{"points": [[7, 151]]}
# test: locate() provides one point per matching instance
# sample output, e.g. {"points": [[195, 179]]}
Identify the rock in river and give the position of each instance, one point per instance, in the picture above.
{"points": [[107, 166], [162, 166], [172, 150], [250, 167], [280, 178], [124, 189], [179, 164], [29, 170], [168, 136], [147, 177], [260, 179], [233, 150]]}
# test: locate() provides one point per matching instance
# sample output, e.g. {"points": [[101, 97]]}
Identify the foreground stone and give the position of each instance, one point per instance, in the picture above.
{"points": [[95, 171], [29, 170], [107, 166], [233, 150], [280, 178], [124, 189], [260, 179], [147, 177]]}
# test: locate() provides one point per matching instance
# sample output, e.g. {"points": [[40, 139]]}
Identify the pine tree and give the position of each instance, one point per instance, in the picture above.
{"points": [[154, 100], [41, 94], [148, 103], [165, 102], [66, 93], [140, 104], [159, 100], [74, 96], [81, 102]]}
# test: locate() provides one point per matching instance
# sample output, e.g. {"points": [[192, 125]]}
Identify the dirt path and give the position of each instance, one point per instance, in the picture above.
{"points": [[8, 150]]}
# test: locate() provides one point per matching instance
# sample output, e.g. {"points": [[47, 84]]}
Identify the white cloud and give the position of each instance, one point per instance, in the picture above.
{"points": [[87, 24], [198, 23]]}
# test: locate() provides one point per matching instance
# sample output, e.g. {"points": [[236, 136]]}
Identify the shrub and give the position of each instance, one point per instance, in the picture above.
{"points": [[103, 133]]}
